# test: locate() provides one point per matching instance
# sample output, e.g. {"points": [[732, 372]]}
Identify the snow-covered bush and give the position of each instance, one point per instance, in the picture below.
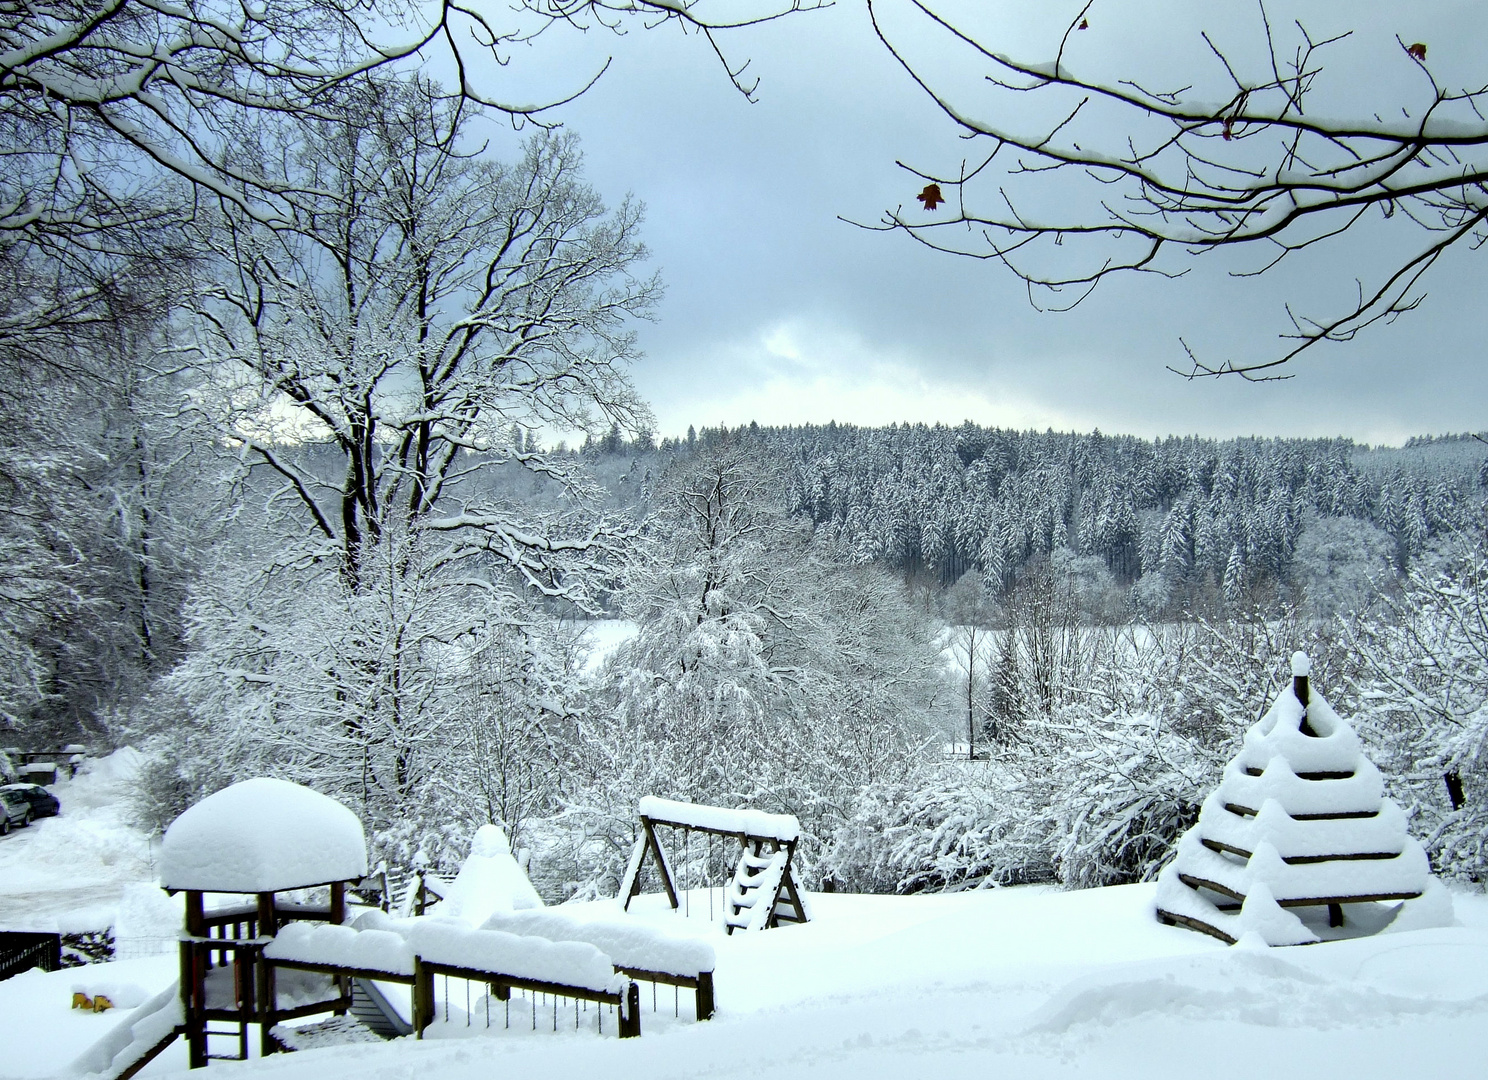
{"points": [[947, 826], [1094, 791], [1424, 709]]}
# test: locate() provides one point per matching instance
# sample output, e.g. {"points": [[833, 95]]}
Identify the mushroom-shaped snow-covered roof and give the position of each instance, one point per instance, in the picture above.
{"points": [[262, 835]]}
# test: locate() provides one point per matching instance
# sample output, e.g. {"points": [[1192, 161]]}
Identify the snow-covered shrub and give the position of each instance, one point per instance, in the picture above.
{"points": [[949, 826], [1128, 788], [1095, 791], [1423, 709], [167, 784]]}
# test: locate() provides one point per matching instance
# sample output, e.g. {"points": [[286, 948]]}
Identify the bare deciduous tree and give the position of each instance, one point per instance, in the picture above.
{"points": [[419, 305], [94, 92]]}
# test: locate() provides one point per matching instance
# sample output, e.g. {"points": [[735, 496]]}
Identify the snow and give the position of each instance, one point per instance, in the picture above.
{"points": [[1280, 781], [1026, 982], [489, 881], [1029, 982], [452, 942], [73, 872], [782, 827], [42, 1035], [1335, 747], [342, 946], [629, 943], [262, 835], [1385, 832], [134, 1037]]}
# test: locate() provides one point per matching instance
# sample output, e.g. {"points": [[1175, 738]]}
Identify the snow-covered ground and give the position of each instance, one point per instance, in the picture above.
{"points": [[1029, 982]]}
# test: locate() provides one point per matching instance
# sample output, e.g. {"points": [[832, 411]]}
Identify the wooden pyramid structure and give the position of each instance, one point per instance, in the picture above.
{"points": [[1299, 821]]}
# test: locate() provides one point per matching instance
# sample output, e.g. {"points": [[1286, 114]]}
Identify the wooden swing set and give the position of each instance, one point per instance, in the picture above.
{"points": [[762, 892]]}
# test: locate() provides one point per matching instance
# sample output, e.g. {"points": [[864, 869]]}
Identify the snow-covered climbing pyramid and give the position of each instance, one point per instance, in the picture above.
{"points": [[1298, 821]]}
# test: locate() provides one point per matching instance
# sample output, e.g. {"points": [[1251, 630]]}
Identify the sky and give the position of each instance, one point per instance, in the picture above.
{"points": [[779, 311]]}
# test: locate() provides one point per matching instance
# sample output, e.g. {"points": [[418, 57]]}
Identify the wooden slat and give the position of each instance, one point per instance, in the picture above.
{"points": [[1213, 886], [1202, 927], [1300, 860], [351, 972], [1352, 815]]}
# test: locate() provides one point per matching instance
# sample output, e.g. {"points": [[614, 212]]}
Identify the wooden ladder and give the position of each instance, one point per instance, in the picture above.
{"points": [[756, 882]]}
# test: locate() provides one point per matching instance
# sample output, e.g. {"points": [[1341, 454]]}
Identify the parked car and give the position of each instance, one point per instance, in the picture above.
{"points": [[43, 802], [15, 811]]}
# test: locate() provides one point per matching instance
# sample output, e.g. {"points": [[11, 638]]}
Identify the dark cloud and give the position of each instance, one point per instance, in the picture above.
{"points": [[779, 312]]}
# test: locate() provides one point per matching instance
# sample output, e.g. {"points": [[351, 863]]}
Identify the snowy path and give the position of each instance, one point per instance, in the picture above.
{"points": [[71, 872]]}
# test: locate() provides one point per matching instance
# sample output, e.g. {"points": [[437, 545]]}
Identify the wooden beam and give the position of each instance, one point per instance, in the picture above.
{"points": [[1172, 919], [654, 846]]}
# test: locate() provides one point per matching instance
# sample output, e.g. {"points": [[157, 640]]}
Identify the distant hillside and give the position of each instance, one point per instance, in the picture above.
{"points": [[941, 501]]}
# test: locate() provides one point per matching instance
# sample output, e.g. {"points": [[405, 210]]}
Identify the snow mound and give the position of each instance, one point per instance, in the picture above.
{"points": [[628, 943], [489, 881], [262, 835], [342, 946], [1429, 911]]}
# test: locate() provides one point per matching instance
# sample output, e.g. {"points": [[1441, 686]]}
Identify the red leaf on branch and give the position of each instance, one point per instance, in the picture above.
{"points": [[1418, 51], [1084, 25], [931, 196]]}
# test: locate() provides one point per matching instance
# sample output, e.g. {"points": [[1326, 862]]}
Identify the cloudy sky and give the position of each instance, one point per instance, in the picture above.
{"points": [[780, 312]]}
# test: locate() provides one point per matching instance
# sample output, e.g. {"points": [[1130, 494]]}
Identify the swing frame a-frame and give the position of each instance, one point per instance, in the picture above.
{"points": [[786, 906]]}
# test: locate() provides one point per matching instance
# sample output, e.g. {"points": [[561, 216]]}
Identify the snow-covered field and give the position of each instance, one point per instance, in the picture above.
{"points": [[1027, 982], [601, 637]]}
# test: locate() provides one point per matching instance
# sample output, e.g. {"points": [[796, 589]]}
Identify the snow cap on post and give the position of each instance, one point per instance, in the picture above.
{"points": [[262, 835], [1301, 665]]}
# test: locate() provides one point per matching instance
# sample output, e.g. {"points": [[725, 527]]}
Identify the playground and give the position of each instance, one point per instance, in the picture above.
{"points": [[1032, 980], [1037, 982]]}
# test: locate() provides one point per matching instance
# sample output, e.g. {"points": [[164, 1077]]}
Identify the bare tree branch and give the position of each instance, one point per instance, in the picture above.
{"points": [[1157, 177]]}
